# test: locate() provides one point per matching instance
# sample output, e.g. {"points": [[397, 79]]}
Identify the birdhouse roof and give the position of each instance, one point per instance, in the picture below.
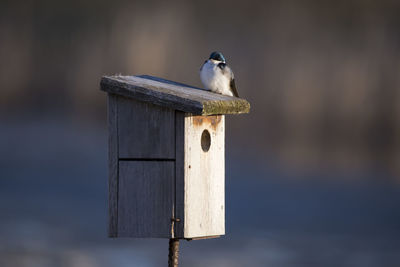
{"points": [[173, 95]]}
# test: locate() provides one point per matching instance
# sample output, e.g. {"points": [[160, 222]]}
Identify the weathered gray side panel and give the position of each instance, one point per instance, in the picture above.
{"points": [[145, 130], [112, 166], [146, 195]]}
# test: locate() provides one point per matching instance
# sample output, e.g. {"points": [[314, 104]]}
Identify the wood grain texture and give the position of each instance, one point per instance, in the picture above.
{"points": [[112, 166], [180, 173], [204, 177], [145, 204], [145, 130], [174, 95]]}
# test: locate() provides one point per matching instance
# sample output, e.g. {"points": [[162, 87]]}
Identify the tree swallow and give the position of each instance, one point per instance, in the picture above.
{"points": [[217, 76]]}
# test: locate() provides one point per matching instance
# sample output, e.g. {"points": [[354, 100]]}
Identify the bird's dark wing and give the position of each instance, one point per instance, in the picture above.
{"points": [[233, 88], [227, 71]]}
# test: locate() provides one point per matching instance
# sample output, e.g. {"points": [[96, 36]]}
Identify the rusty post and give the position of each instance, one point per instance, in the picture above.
{"points": [[173, 252]]}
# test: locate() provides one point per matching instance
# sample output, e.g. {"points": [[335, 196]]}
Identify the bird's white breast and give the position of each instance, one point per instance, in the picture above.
{"points": [[213, 79]]}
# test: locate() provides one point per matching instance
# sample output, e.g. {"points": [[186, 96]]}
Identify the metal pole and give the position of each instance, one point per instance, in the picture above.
{"points": [[173, 252]]}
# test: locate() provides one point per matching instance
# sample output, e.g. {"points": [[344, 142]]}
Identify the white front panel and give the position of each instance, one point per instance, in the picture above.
{"points": [[204, 176]]}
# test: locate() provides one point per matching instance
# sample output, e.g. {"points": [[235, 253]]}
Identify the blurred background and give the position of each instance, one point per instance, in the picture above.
{"points": [[312, 173]]}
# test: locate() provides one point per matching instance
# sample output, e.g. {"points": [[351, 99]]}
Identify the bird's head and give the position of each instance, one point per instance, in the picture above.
{"points": [[217, 56]]}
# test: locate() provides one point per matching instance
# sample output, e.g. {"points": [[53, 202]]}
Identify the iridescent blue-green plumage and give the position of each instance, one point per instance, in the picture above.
{"points": [[217, 56]]}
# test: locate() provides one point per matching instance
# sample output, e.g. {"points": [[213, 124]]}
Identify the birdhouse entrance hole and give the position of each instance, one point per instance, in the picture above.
{"points": [[205, 140]]}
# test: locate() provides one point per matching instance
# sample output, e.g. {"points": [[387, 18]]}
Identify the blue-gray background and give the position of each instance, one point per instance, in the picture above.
{"points": [[312, 173]]}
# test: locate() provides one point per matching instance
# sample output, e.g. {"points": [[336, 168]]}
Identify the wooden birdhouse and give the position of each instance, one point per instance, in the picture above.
{"points": [[166, 158]]}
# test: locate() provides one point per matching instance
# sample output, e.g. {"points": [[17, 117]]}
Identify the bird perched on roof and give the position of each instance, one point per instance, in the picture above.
{"points": [[217, 76]]}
